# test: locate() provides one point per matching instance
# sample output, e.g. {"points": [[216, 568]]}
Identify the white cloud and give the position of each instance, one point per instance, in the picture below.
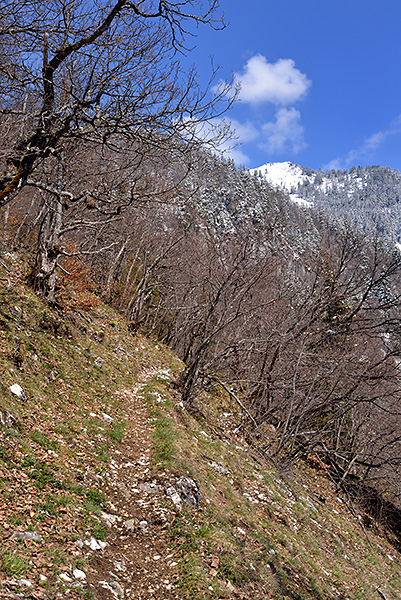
{"points": [[363, 151], [285, 133], [225, 136], [238, 156], [242, 134], [245, 132], [280, 83]]}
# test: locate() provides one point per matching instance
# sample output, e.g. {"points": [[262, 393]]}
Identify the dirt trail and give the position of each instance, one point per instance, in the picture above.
{"points": [[137, 563]]}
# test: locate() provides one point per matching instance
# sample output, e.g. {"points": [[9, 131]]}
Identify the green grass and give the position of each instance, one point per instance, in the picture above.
{"points": [[240, 533], [13, 565], [44, 440], [164, 439]]}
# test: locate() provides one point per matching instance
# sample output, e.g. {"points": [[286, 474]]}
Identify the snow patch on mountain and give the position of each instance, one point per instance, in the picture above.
{"points": [[286, 176], [368, 197], [283, 175]]}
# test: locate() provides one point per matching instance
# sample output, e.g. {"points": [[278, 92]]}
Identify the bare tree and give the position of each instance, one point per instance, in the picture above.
{"points": [[105, 75]]}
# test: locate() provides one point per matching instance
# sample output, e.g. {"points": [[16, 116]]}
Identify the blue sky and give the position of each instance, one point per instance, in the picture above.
{"points": [[321, 80]]}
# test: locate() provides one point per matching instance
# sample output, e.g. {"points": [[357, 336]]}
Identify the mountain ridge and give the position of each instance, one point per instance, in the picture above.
{"points": [[368, 197]]}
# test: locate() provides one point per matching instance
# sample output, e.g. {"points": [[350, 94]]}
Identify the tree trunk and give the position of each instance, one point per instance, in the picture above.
{"points": [[49, 252]]}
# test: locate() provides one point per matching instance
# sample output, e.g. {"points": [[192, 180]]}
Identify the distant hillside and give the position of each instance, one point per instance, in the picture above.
{"points": [[367, 197]]}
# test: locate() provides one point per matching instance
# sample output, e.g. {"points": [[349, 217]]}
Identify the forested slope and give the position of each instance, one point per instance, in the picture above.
{"points": [[111, 192], [112, 488]]}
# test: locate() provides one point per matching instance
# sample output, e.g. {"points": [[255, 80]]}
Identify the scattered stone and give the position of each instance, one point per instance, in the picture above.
{"points": [[150, 488], [185, 490], [119, 350], [143, 525], [114, 587], [229, 587], [66, 578], [42, 578], [123, 488], [107, 418], [18, 391], [27, 535], [110, 519], [164, 373], [25, 582], [7, 419], [130, 524], [95, 544], [172, 493], [217, 466], [52, 376], [12, 256], [99, 362], [78, 574]]}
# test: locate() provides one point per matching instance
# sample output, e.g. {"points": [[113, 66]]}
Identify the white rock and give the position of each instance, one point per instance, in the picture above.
{"points": [[110, 519], [107, 418], [114, 587], [78, 574], [65, 577], [18, 391], [95, 544], [27, 535], [172, 493]]}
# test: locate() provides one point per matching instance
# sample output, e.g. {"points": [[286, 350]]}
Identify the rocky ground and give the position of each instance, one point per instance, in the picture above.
{"points": [[111, 489], [137, 563]]}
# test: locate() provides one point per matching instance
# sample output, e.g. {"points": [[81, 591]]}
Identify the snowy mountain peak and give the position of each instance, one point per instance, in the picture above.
{"points": [[287, 176], [369, 198], [284, 175]]}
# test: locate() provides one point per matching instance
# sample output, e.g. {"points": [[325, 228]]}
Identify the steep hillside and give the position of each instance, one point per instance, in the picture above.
{"points": [[112, 489]]}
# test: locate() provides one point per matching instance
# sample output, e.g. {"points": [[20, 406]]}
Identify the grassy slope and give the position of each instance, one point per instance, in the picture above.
{"points": [[259, 534]]}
